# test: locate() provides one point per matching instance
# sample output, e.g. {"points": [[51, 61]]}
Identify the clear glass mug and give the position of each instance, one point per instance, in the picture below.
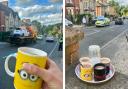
{"points": [[94, 54]]}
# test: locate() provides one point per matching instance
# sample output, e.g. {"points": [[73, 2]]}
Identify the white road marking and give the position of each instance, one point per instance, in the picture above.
{"points": [[8, 55], [90, 27], [53, 49], [100, 30], [91, 33], [4, 57], [113, 26], [3, 43], [113, 39]]}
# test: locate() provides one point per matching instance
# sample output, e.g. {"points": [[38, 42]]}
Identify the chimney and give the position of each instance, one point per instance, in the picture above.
{"points": [[5, 3]]}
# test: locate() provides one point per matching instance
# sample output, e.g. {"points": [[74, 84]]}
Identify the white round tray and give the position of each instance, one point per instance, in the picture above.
{"points": [[108, 77]]}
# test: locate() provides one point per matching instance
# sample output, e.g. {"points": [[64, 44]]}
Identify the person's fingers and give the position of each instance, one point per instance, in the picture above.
{"points": [[35, 70], [47, 64], [54, 68], [45, 86], [51, 64]]}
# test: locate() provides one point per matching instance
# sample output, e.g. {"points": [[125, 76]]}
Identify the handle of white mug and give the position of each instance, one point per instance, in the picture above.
{"points": [[6, 65]]}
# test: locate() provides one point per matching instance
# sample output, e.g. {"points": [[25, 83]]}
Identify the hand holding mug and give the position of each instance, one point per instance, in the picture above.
{"points": [[52, 76], [22, 79]]}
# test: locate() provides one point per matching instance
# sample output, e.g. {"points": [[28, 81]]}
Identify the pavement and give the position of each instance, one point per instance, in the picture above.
{"points": [[6, 82], [113, 45]]}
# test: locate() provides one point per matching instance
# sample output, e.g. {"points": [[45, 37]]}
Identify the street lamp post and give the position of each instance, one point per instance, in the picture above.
{"points": [[62, 20]]}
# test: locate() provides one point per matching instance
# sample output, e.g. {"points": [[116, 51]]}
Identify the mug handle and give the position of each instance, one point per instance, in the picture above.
{"points": [[6, 64]]}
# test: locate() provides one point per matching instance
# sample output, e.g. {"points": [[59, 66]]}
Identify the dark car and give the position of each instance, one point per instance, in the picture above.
{"points": [[119, 21], [94, 20]]}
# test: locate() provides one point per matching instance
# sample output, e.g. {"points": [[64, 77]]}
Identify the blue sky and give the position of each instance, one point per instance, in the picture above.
{"points": [[46, 11], [123, 2]]}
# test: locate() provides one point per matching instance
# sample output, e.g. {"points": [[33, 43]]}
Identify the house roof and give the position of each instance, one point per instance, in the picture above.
{"points": [[103, 4]]}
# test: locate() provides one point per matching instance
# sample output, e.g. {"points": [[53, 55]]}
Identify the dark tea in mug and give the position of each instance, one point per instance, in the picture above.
{"points": [[99, 72]]}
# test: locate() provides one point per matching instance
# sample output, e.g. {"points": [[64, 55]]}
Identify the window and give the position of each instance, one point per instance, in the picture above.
{"points": [[68, 1]]}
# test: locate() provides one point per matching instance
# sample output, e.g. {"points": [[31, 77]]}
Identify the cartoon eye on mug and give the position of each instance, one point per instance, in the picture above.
{"points": [[24, 75], [33, 78]]}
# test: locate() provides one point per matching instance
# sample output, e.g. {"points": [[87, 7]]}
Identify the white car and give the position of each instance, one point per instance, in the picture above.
{"points": [[50, 39], [40, 37], [21, 32], [68, 23], [18, 32]]}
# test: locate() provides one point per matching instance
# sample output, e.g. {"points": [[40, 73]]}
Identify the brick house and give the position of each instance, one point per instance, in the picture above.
{"points": [[111, 10], [8, 18], [87, 6], [72, 7], [2, 21], [101, 7]]}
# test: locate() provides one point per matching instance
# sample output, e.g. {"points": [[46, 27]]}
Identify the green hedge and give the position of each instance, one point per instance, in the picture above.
{"points": [[77, 19], [4, 36]]}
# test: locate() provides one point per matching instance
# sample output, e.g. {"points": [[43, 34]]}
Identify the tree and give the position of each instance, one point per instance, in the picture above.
{"points": [[38, 25], [125, 10], [55, 30], [116, 6], [113, 3], [48, 29], [120, 9]]}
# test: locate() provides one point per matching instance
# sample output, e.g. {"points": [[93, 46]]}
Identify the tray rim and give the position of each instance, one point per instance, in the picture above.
{"points": [[96, 82]]}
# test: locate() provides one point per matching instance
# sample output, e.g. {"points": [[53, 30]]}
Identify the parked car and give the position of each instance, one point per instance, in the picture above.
{"points": [[102, 22], [39, 37], [50, 39], [68, 23], [94, 20], [107, 21], [17, 32], [119, 21]]}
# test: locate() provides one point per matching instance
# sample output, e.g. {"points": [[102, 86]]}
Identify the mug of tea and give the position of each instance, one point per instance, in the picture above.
{"points": [[22, 79], [82, 60], [86, 70], [106, 61], [99, 72]]}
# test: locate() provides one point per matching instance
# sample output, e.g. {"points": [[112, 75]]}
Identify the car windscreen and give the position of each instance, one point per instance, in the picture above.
{"points": [[100, 19], [119, 19]]}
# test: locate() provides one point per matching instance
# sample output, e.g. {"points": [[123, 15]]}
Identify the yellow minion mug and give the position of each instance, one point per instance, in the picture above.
{"points": [[23, 80], [86, 71]]}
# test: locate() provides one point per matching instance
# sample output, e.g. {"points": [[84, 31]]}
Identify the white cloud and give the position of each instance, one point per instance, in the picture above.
{"points": [[46, 14], [54, 1], [42, 17], [35, 9], [123, 2], [48, 19], [3, 0], [25, 2], [33, 2]]}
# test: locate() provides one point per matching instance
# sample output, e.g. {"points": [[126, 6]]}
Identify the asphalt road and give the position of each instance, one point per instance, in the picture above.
{"points": [[6, 82], [113, 44], [100, 36]]}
